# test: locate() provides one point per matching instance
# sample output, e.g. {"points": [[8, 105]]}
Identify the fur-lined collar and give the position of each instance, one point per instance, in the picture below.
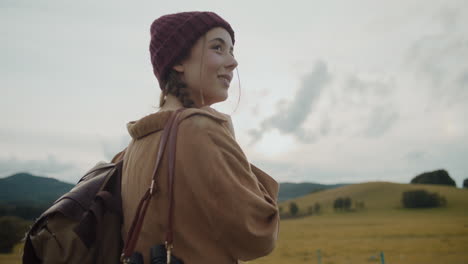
{"points": [[156, 121]]}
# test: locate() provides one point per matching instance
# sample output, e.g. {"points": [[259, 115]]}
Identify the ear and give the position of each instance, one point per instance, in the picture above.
{"points": [[178, 67]]}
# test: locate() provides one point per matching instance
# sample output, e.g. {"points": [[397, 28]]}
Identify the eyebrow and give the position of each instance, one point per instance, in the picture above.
{"points": [[222, 41]]}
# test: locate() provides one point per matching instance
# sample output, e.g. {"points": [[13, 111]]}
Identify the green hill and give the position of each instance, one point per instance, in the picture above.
{"points": [[381, 196], [24, 188], [405, 236], [289, 190]]}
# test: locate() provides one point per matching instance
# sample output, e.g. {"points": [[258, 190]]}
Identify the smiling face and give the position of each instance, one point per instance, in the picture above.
{"points": [[208, 70]]}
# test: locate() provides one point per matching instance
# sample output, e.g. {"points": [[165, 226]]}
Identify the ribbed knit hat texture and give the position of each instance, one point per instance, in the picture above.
{"points": [[173, 35]]}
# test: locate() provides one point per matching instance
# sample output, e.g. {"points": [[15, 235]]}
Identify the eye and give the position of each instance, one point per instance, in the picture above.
{"points": [[218, 47]]}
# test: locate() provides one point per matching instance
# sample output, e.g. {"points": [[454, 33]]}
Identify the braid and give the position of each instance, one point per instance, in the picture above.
{"points": [[175, 86]]}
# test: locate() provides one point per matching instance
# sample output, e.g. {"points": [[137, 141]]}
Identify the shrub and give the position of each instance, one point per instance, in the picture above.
{"points": [[422, 199], [293, 209], [338, 204], [28, 212], [317, 208], [347, 203], [12, 230], [342, 203], [310, 210]]}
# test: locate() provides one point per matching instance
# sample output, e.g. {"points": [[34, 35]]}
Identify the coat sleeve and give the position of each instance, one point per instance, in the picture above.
{"points": [[237, 199]]}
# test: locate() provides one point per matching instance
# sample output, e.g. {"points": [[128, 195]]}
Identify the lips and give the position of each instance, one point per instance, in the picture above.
{"points": [[226, 76]]}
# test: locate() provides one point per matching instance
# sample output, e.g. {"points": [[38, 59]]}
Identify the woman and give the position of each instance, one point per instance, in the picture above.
{"points": [[224, 208]]}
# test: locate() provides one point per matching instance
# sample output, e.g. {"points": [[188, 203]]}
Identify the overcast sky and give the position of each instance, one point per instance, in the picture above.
{"points": [[331, 91]]}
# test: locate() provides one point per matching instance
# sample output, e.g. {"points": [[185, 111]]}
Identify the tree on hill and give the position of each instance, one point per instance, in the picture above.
{"points": [[422, 199], [313, 209], [338, 204], [27, 212], [342, 203], [293, 209], [317, 208], [12, 230], [434, 177], [347, 203], [310, 210], [465, 183]]}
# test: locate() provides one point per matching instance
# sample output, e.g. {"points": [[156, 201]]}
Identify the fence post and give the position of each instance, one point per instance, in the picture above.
{"points": [[382, 257], [319, 257]]}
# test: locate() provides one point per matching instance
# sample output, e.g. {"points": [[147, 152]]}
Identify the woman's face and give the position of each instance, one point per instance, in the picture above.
{"points": [[208, 70]]}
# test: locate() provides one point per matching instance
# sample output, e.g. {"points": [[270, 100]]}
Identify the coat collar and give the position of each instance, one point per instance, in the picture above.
{"points": [[156, 121]]}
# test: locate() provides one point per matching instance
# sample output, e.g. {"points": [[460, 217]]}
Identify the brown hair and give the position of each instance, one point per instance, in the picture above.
{"points": [[175, 86]]}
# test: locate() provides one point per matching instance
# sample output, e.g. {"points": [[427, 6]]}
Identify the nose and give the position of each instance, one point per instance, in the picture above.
{"points": [[231, 63]]}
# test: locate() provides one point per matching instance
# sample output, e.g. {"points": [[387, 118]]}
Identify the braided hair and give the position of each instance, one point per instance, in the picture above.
{"points": [[176, 86]]}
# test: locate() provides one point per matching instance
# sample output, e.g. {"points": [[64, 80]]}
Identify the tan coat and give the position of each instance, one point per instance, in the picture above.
{"points": [[225, 209]]}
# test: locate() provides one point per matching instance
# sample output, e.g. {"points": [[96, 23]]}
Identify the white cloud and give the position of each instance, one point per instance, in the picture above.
{"points": [[289, 117], [387, 102], [50, 167]]}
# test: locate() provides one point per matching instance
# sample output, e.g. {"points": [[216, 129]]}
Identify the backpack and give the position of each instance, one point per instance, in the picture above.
{"points": [[82, 226]]}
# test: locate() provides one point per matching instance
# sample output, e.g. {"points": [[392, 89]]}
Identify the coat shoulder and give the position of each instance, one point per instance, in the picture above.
{"points": [[202, 119]]}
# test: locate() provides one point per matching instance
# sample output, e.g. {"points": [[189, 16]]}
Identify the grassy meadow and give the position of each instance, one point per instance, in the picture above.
{"points": [[14, 257], [438, 235]]}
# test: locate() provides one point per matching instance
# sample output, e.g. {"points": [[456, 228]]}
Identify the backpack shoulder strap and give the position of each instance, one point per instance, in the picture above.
{"points": [[171, 175], [140, 213]]}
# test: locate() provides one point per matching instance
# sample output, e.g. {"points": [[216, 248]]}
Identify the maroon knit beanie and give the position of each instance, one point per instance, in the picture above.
{"points": [[173, 35]]}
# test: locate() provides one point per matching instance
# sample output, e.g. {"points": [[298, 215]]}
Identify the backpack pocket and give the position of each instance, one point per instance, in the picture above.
{"points": [[56, 242]]}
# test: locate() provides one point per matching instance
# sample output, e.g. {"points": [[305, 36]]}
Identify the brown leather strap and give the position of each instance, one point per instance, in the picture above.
{"points": [[164, 138], [137, 222], [170, 182]]}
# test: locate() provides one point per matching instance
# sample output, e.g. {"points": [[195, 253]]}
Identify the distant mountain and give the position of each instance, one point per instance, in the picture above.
{"points": [[27, 189], [294, 190]]}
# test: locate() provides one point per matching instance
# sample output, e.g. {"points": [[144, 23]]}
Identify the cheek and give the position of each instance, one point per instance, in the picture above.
{"points": [[208, 69], [212, 63]]}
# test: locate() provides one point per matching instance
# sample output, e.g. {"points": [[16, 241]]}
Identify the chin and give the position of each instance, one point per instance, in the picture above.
{"points": [[223, 98], [219, 99]]}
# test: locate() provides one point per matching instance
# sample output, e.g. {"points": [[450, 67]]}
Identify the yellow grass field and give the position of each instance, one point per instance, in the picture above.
{"points": [[419, 237], [14, 258], [404, 236]]}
